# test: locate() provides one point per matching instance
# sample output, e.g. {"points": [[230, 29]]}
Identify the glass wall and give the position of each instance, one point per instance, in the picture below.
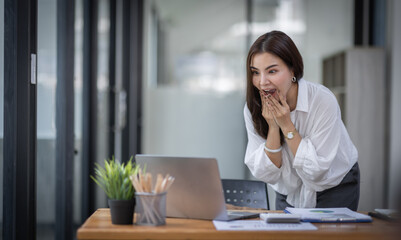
{"points": [[78, 73], [46, 118], [102, 92], [102, 100], [47, 73], [194, 81], [1, 112], [195, 53]]}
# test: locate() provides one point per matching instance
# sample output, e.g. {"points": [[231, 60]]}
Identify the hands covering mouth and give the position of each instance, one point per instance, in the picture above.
{"points": [[275, 109]]}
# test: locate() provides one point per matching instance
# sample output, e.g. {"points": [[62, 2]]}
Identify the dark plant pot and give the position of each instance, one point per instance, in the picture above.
{"points": [[122, 211]]}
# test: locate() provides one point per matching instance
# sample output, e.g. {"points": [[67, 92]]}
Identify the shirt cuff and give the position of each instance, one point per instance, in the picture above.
{"points": [[270, 167], [301, 155], [265, 168]]}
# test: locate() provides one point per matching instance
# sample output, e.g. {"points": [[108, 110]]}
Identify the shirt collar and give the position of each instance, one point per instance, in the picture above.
{"points": [[302, 99]]}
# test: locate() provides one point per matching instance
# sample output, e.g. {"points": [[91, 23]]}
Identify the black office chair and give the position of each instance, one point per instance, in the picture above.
{"points": [[246, 193]]}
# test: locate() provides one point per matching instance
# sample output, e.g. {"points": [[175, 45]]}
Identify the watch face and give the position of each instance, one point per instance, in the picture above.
{"points": [[290, 135]]}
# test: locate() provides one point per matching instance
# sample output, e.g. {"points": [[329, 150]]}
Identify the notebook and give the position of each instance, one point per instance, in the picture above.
{"points": [[197, 191]]}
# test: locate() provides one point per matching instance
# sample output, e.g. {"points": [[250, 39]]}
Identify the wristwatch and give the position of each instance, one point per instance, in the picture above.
{"points": [[290, 135]]}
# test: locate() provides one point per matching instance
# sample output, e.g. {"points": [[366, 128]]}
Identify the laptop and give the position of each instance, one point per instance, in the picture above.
{"points": [[197, 191]]}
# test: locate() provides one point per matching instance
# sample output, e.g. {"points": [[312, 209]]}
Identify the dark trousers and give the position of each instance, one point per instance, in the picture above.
{"points": [[346, 194]]}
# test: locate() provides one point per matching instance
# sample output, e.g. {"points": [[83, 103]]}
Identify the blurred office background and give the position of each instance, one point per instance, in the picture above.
{"points": [[168, 77]]}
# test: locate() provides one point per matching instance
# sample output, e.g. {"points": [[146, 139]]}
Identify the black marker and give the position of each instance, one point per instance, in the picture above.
{"points": [[381, 216]]}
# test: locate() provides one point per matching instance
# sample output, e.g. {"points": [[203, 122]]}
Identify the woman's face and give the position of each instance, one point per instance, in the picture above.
{"points": [[270, 73]]}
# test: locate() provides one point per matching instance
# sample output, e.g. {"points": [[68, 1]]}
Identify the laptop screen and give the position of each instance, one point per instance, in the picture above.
{"points": [[196, 192]]}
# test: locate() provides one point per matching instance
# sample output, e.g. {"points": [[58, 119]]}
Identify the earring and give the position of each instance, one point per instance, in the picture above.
{"points": [[293, 79]]}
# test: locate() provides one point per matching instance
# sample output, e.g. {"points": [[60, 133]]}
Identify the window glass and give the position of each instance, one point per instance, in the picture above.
{"points": [[195, 54], [46, 119]]}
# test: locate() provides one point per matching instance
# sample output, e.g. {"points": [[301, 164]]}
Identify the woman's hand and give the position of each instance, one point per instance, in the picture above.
{"points": [[266, 113], [280, 110]]}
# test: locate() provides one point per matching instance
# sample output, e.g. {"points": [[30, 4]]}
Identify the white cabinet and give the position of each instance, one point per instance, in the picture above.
{"points": [[357, 77]]}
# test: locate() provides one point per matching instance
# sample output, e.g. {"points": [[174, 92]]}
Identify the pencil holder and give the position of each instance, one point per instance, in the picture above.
{"points": [[150, 208]]}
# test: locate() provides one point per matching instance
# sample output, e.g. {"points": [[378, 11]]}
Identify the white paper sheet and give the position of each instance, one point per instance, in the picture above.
{"points": [[329, 215], [259, 225]]}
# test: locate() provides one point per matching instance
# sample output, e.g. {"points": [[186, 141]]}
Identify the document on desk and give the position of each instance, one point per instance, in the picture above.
{"points": [[329, 215], [260, 225]]}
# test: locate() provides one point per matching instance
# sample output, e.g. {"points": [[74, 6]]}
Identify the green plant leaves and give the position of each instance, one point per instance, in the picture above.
{"points": [[114, 178]]}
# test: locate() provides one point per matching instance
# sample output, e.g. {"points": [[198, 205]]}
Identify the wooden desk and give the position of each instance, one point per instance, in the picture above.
{"points": [[99, 226]]}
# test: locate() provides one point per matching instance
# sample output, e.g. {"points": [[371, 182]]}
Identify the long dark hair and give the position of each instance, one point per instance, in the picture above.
{"points": [[280, 45]]}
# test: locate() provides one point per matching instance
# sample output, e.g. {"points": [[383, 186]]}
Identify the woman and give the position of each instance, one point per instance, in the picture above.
{"points": [[297, 141]]}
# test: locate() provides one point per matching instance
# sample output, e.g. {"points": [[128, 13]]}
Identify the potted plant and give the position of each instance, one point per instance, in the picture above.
{"points": [[115, 181]]}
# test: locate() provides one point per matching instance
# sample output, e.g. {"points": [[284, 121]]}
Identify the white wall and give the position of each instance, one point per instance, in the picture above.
{"points": [[394, 9], [329, 30]]}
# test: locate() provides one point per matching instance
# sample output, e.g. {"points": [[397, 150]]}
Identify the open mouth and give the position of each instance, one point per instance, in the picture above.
{"points": [[271, 91]]}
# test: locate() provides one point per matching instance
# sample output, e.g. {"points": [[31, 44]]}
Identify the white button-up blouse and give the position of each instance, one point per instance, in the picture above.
{"points": [[324, 156]]}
